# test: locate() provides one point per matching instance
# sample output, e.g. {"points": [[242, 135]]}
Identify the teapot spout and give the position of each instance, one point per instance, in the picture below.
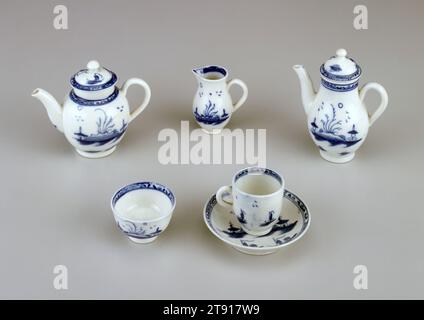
{"points": [[306, 86], [54, 109]]}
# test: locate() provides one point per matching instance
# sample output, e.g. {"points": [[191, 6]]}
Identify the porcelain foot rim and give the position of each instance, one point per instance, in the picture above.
{"points": [[143, 241], [253, 252], [257, 234], [337, 159], [96, 155]]}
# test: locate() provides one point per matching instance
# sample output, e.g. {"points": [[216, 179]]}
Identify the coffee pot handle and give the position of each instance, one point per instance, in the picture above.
{"points": [[223, 192], [147, 95], [384, 99], [243, 96]]}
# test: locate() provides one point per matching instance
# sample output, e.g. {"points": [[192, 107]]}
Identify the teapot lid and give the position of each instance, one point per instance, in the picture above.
{"points": [[340, 68], [94, 78]]}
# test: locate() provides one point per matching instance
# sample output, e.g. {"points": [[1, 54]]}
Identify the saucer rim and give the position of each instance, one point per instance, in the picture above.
{"points": [[275, 248]]}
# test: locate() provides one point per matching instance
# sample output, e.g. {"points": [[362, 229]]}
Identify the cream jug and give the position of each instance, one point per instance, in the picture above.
{"points": [[212, 103]]}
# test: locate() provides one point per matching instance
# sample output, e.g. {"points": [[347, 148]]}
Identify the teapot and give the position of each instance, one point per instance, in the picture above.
{"points": [[338, 120], [96, 113]]}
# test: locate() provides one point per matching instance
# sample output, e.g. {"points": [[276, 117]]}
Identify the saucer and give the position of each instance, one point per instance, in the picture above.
{"points": [[292, 224]]}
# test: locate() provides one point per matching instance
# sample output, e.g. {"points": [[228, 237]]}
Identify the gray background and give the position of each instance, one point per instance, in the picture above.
{"points": [[55, 204]]}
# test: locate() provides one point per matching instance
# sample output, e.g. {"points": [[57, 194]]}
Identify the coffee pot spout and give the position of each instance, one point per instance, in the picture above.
{"points": [[54, 109], [306, 86]]}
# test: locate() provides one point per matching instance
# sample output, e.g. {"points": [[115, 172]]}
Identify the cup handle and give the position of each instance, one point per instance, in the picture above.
{"points": [[224, 191], [146, 87], [243, 96], [384, 99]]}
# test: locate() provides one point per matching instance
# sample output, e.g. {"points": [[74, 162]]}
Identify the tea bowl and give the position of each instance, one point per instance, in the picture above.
{"points": [[143, 210]]}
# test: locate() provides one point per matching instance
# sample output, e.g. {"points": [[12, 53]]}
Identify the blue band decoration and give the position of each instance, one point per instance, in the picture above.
{"points": [[106, 85], [93, 103], [336, 77], [266, 171], [141, 186], [339, 87], [217, 69]]}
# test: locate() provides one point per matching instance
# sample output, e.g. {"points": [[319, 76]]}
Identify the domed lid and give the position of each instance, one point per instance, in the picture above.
{"points": [[340, 68], [94, 78]]}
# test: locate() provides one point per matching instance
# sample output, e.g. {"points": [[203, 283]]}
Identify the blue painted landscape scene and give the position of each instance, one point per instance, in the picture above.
{"points": [[210, 115], [106, 132], [97, 77], [281, 227], [137, 231], [328, 130]]}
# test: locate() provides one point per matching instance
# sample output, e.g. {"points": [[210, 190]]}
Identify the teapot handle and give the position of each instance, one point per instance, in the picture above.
{"points": [[244, 95], [384, 99], [147, 96]]}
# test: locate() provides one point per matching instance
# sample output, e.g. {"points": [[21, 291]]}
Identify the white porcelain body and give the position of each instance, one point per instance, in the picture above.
{"points": [[292, 224], [143, 210], [80, 119], [95, 114], [212, 103], [257, 214], [339, 113], [338, 122]]}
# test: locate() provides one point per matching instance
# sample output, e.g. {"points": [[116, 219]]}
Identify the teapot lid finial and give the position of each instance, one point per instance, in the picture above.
{"points": [[340, 68], [93, 65], [94, 78], [341, 53]]}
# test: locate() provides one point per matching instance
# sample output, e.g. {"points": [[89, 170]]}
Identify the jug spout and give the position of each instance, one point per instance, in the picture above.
{"points": [[54, 109], [197, 73], [211, 73], [306, 87]]}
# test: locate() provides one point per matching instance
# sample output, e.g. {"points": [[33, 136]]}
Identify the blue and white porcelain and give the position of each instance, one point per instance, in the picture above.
{"points": [[291, 225], [338, 120], [212, 104], [256, 198], [96, 113], [143, 210]]}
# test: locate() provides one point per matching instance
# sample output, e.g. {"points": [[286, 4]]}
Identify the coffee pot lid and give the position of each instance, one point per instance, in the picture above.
{"points": [[93, 78], [340, 68]]}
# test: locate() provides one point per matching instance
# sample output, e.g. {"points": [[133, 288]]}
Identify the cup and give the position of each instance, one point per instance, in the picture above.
{"points": [[256, 197], [143, 210]]}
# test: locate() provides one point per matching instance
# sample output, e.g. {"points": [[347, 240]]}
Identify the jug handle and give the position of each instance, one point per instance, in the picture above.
{"points": [[244, 95], [384, 99], [147, 96]]}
